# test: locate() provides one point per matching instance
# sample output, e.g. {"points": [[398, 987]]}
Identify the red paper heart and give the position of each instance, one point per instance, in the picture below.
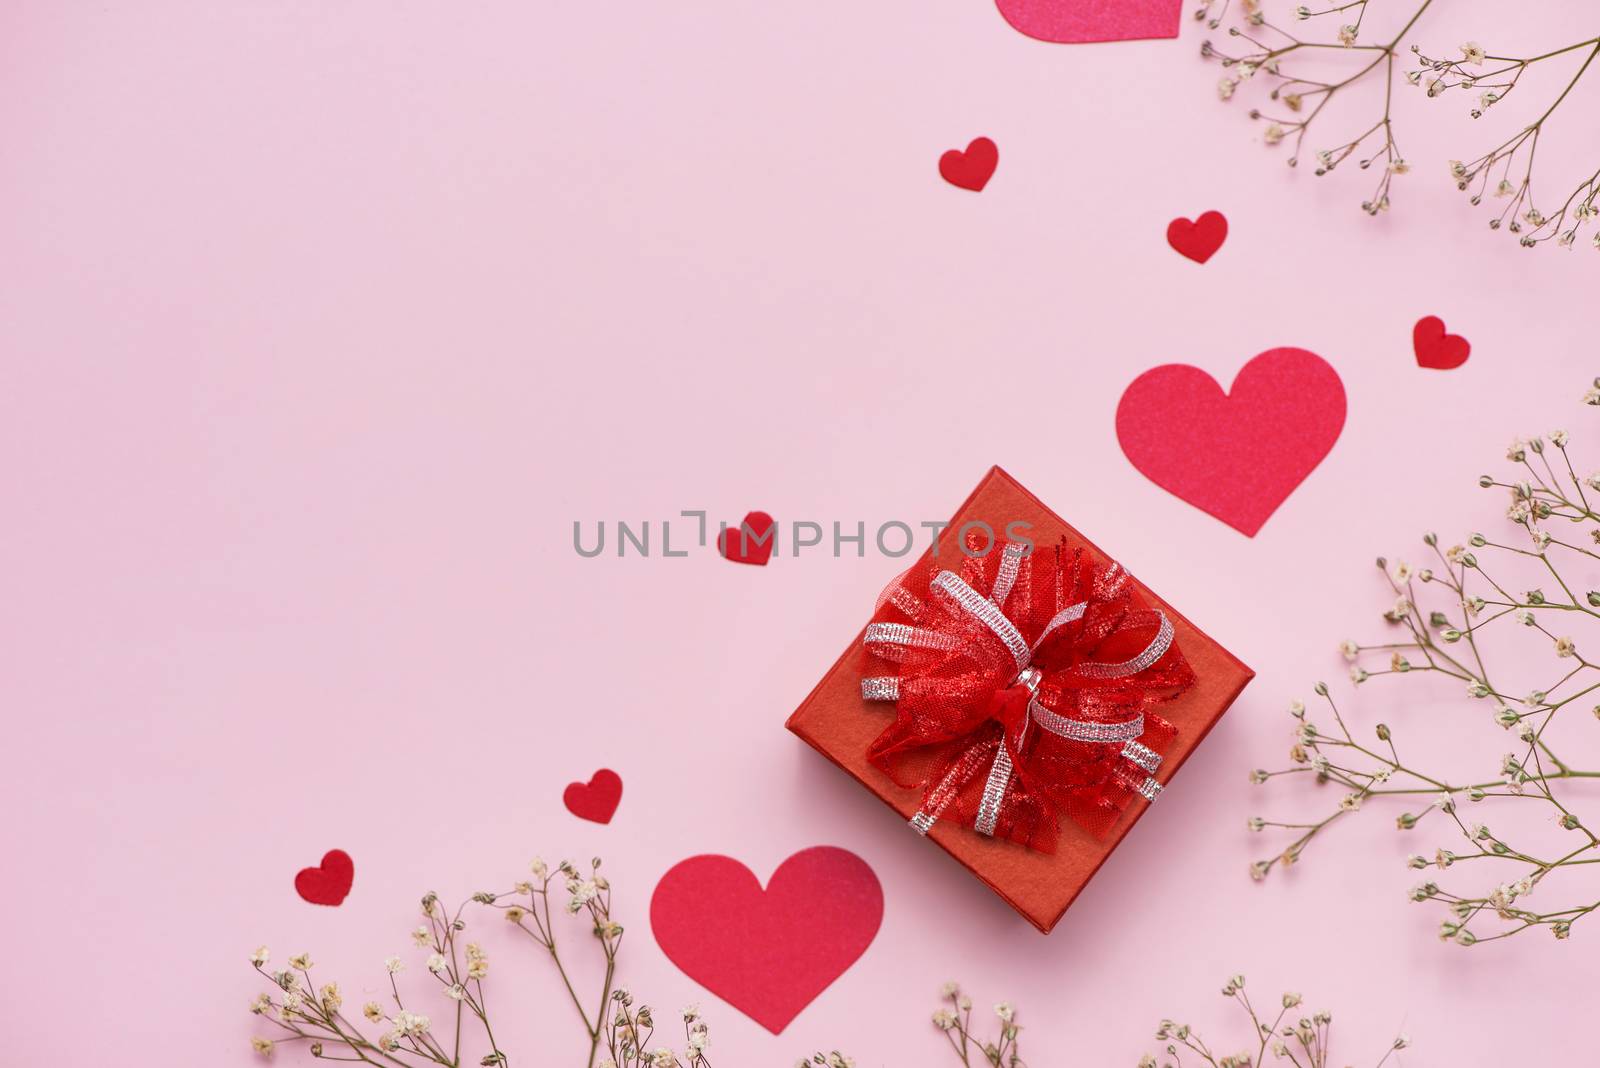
{"points": [[1200, 239], [750, 543], [1070, 21], [328, 882], [1435, 348], [595, 800], [1237, 455], [970, 169], [768, 953]]}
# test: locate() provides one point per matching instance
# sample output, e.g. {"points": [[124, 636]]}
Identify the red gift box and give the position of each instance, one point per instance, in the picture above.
{"points": [[837, 721]]}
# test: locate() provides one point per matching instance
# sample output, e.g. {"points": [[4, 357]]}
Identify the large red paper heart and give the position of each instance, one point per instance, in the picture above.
{"points": [[768, 953], [1199, 239], [751, 543], [1072, 21], [1236, 455], [1436, 349], [970, 169], [329, 882], [595, 800]]}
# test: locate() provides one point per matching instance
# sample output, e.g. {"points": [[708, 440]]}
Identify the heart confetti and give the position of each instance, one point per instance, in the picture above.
{"points": [[973, 168], [595, 800], [1236, 455], [330, 881], [1074, 21], [768, 953], [1436, 349], [751, 543], [1200, 239]]}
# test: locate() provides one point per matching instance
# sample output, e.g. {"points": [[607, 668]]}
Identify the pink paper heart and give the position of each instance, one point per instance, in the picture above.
{"points": [[970, 169], [329, 882], [768, 952], [1237, 455], [749, 543], [1436, 349], [1076, 21], [1198, 239], [595, 800]]}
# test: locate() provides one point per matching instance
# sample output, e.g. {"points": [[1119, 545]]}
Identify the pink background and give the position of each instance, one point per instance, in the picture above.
{"points": [[321, 323]]}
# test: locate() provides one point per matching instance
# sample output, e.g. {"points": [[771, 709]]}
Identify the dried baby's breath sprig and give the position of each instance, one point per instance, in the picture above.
{"points": [[1452, 616], [1299, 1040], [827, 1060], [1263, 50], [953, 1019], [304, 1012], [1489, 79]]}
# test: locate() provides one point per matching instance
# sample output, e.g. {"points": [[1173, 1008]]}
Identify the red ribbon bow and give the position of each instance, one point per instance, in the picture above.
{"points": [[1025, 686]]}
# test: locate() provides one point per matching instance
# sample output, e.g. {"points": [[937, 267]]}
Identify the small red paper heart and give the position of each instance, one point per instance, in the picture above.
{"points": [[597, 799], [328, 882], [751, 543], [1436, 349], [1069, 21], [1200, 239], [768, 953], [1236, 455], [970, 169]]}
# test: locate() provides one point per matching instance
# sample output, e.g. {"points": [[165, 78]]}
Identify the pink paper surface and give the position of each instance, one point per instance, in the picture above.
{"points": [[321, 324]]}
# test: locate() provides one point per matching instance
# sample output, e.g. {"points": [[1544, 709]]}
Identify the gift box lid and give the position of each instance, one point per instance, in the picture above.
{"points": [[836, 721]]}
